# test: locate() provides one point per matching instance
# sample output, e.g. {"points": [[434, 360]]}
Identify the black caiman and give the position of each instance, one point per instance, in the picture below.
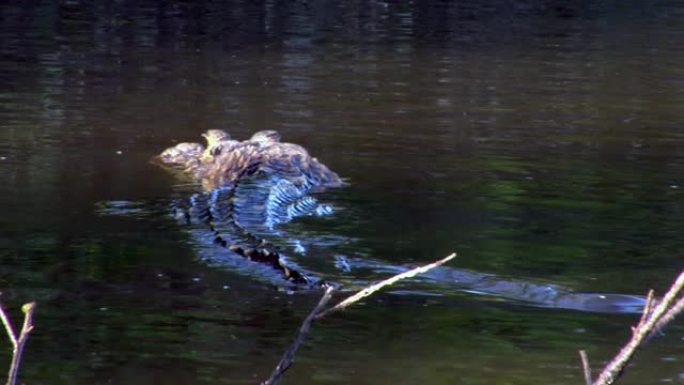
{"points": [[251, 186]]}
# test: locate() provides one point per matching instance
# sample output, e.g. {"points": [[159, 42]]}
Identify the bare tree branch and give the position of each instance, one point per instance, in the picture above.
{"points": [[289, 355], [18, 343], [8, 327], [654, 318], [585, 367], [669, 316], [365, 292], [648, 308]]}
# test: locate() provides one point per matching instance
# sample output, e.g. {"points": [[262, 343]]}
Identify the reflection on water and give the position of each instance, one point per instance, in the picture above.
{"points": [[543, 141]]}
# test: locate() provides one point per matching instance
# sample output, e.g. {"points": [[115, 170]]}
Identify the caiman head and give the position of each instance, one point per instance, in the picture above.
{"points": [[225, 160]]}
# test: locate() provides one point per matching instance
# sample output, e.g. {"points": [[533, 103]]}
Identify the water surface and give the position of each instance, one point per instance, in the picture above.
{"points": [[542, 141]]}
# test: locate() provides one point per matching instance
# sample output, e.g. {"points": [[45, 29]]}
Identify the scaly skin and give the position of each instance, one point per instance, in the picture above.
{"points": [[287, 173], [225, 160]]}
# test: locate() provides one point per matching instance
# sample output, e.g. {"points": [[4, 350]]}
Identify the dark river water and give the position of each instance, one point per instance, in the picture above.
{"points": [[541, 140]]}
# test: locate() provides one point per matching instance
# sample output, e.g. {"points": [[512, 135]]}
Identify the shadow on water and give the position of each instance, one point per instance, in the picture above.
{"points": [[542, 140]]}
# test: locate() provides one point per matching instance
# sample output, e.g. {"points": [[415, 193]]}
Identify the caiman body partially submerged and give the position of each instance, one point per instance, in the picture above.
{"points": [[261, 182], [224, 161], [228, 170]]}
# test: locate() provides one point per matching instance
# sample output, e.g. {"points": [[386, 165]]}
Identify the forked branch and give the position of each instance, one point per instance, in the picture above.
{"points": [[317, 313], [17, 342], [656, 315]]}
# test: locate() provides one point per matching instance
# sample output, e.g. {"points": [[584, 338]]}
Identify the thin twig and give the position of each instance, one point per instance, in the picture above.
{"points": [[27, 309], [648, 307], [8, 327], [288, 358], [654, 318], [585, 367], [677, 308], [18, 343], [365, 292], [667, 300]]}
